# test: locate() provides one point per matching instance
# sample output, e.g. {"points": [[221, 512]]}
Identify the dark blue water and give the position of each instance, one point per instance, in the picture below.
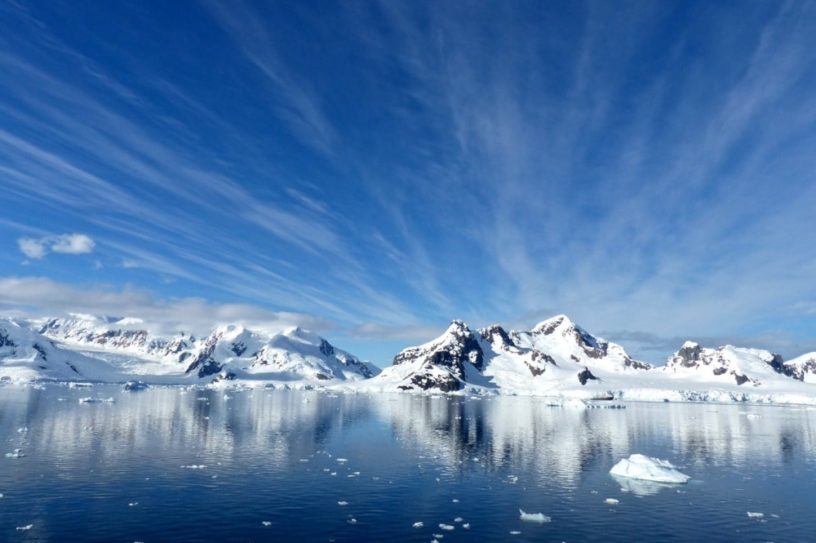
{"points": [[113, 471]]}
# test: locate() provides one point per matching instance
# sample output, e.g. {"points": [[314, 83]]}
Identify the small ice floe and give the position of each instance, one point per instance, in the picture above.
{"points": [[455, 500], [227, 397], [89, 399], [22, 429], [135, 386], [515, 532], [533, 517], [333, 474], [611, 501], [512, 479], [466, 526], [755, 515], [342, 503], [25, 528], [304, 460], [458, 519], [266, 523], [133, 504], [447, 527], [646, 468], [16, 453], [1, 495], [194, 466], [418, 524], [352, 520], [438, 536]]}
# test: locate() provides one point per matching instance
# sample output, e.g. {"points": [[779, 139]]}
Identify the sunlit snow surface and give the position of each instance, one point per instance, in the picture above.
{"points": [[172, 464]]}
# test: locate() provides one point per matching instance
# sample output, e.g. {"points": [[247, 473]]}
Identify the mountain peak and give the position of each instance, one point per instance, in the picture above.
{"points": [[548, 326]]}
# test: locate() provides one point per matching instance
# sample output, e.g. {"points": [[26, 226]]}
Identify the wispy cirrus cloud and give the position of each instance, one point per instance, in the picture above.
{"points": [[645, 168]]}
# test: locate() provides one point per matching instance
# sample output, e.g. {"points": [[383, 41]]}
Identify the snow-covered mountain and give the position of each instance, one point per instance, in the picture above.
{"points": [[726, 364], [556, 358], [124, 348], [559, 358], [802, 368], [26, 355], [555, 354]]}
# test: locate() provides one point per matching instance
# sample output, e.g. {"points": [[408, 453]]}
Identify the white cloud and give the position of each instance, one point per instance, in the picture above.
{"points": [[32, 248], [39, 296], [73, 244], [69, 244]]}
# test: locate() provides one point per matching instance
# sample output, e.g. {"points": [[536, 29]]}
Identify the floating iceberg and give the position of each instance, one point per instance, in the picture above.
{"points": [[533, 517], [646, 468]]}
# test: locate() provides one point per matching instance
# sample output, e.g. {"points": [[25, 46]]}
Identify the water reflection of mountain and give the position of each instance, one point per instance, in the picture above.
{"points": [[506, 435], [196, 426], [524, 434]]}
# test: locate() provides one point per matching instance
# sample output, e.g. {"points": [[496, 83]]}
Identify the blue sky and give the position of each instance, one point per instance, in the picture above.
{"points": [[372, 170]]}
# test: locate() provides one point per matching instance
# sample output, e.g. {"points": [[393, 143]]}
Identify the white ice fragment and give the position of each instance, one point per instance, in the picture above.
{"points": [[515, 532], [194, 466], [458, 519], [455, 500], [342, 503], [342, 460], [533, 517], [466, 526], [646, 468], [512, 479], [17, 453], [418, 524], [352, 520], [611, 501], [133, 504], [266, 523], [755, 515], [447, 527], [25, 528]]}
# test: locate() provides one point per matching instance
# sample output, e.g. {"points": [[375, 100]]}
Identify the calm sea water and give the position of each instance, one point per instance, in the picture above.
{"points": [[277, 464]]}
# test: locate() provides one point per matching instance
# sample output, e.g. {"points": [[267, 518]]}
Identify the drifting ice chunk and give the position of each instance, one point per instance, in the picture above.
{"points": [[755, 515], [418, 524], [89, 399], [645, 468], [194, 466], [18, 453], [533, 517], [611, 501], [447, 527], [466, 526], [342, 503], [25, 528], [515, 532], [266, 523]]}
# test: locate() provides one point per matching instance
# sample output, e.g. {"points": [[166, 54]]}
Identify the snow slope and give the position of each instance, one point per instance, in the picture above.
{"points": [[109, 349], [26, 355]]}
